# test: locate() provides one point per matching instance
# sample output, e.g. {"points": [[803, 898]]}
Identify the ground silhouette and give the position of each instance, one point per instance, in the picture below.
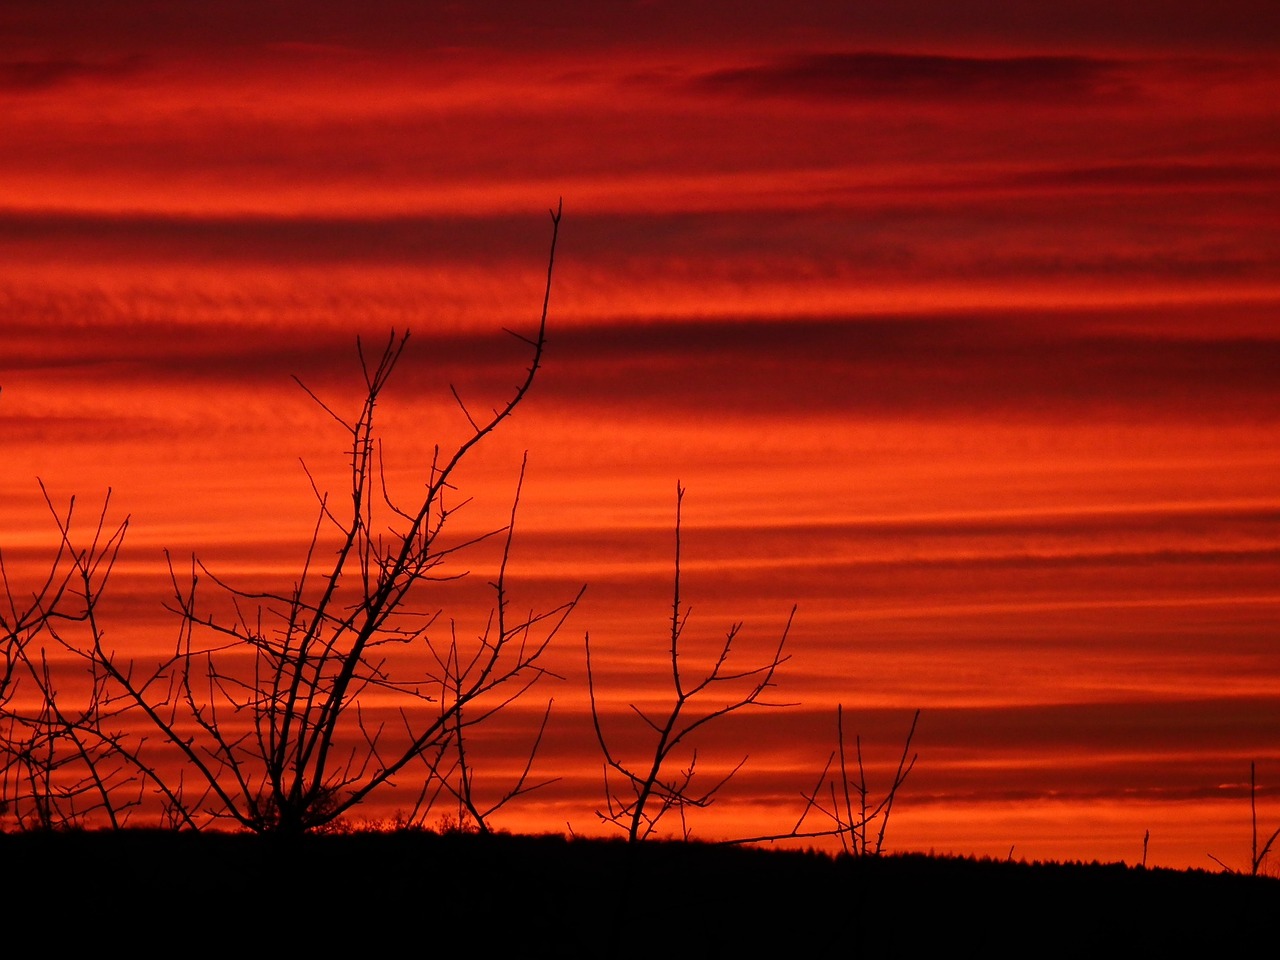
{"points": [[552, 896]]}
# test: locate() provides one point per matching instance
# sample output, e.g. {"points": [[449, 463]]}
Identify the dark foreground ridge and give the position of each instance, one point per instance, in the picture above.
{"points": [[359, 894]]}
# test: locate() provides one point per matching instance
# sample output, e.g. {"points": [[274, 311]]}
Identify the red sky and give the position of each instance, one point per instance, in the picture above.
{"points": [[957, 322]]}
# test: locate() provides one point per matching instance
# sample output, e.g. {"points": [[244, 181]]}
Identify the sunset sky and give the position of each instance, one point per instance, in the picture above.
{"points": [[958, 323]]}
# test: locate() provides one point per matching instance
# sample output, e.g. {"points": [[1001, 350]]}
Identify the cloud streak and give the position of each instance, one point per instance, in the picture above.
{"points": [[39, 76], [916, 77], [950, 366], [911, 366]]}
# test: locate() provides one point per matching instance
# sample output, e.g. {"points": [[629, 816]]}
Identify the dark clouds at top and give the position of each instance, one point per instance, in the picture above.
{"points": [[439, 25], [924, 77]]}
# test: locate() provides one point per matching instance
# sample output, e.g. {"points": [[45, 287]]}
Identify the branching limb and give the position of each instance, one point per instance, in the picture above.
{"points": [[645, 793], [838, 806]]}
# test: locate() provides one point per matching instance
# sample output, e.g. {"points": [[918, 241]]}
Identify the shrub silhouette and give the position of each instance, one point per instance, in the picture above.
{"points": [[639, 794], [832, 799], [261, 701], [59, 765]]}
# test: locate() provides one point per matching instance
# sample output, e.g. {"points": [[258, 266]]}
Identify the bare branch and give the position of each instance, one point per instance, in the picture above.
{"points": [[647, 793]]}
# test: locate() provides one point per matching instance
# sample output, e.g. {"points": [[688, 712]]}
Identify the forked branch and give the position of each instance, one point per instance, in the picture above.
{"points": [[639, 794]]}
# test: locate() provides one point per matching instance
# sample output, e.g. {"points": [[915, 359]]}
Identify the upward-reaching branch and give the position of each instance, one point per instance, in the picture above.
{"points": [[650, 789]]}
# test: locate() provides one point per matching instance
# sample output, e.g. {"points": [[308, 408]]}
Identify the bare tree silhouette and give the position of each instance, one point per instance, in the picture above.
{"points": [[639, 794], [268, 699]]}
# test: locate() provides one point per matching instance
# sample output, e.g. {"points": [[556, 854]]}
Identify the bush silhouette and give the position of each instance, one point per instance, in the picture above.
{"points": [[255, 720], [640, 794]]}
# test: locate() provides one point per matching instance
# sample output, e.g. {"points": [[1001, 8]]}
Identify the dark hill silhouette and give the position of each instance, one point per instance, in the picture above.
{"points": [[365, 894]]}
